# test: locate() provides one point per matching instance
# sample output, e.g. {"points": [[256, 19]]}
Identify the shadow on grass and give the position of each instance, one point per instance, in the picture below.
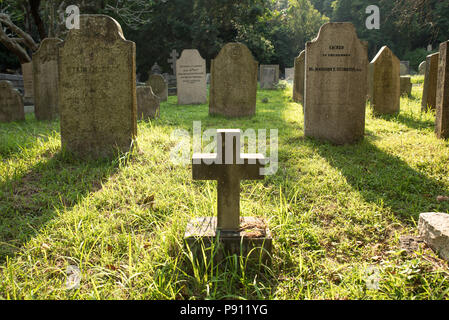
{"points": [[409, 119], [30, 200], [384, 179]]}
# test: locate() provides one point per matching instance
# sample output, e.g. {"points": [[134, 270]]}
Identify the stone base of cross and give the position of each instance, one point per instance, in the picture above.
{"points": [[235, 234]]}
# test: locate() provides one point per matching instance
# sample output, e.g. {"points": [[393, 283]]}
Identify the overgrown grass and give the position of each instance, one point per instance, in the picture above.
{"points": [[336, 212]]}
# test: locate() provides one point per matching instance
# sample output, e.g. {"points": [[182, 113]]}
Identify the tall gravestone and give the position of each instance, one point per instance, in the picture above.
{"points": [[442, 99], [45, 79], [269, 76], [299, 80], [233, 88], [429, 95], [385, 85], [97, 89], [191, 78], [159, 86], [148, 104], [335, 85], [11, 103]]}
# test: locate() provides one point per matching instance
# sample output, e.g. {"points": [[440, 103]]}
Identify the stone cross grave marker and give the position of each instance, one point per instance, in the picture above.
{"points": [[97, 89], [429, 95], [173, 60], [228, 166], [191, 78], [335, 89], [385, 86], [45, 79], [269, 76], [11, 103], [442, 99]]}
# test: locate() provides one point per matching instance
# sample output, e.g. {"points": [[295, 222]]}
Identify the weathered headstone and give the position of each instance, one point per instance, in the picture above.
{"points": [[269, 76], [233, 88], [97, 89], [148, 104], [422, 68], [434, 230], [430, 82], [191, 78], [385, 85], [289, 74], [159, 86], [246, 235], [406, 86], [442, 99], [404, 68], [299, 80], [11, 103], [335, 85], [45, 79], [27, 72]]}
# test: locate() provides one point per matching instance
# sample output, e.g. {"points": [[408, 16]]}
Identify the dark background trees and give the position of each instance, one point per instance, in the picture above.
{"points": [[274, 30]]}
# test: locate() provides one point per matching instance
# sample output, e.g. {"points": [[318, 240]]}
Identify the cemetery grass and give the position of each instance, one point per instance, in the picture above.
{"points": [[338, 214]]}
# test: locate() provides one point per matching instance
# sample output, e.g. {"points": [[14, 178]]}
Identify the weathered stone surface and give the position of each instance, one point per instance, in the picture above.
{"points": [[11, 103], [45, 79], [148, 105], [228, 166], [404, 68], [299, 80], [406, 86], [159, 86], [27, 72], [422, 68], [335, 85], [97, 89], [269, 76], [385, 90], [430, 83], [434, 230], [191, 78], [289, 74], [442, 95], [233, 88]]}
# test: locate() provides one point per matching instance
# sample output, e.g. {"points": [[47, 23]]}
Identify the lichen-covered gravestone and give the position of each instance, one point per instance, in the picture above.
{"points": [[442, 99], [429, 95], [269, 76], [97, 89], [11, 103], [335, 85], [233, 88], [159, 86], [298, 82], [237, 235], [45, 79], [385, 87], [191, 78], [148, 104]]}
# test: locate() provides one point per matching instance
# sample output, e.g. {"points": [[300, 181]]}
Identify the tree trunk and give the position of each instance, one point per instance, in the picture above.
{"points": [[34, 5]]}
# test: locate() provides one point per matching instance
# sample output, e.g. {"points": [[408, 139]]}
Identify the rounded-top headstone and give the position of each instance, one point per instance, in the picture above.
{"points": [[159, 86], [233, 88], [148, 104], [298, 81], [11, 103], [335, 82], [422, 68], [97, 89]]}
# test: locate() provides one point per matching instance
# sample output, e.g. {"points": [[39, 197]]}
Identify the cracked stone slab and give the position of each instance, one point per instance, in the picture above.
{"points": [[434, 230]]}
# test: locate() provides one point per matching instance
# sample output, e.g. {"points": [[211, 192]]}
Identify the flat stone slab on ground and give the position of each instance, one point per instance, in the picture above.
{"points": [[434, 230], [254, 238]]}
